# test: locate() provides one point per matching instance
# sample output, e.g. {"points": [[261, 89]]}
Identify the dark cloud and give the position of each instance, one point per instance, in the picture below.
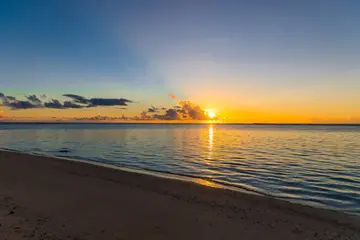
{"points": [[185, 110], [108, 102], [77, 98], [193, 111], [171, 114], [54, 104], [11, 102], [69, 104], [144, 116], [20, 104], [94, 102], [10, 98], [76, 102], [34, 99], [153, 109]]}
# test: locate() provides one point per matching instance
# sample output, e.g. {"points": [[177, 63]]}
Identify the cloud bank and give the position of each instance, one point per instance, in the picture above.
{"points": [[76, 101], [184, 110]]}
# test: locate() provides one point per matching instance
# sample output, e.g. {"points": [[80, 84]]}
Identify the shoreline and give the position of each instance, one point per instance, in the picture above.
{"points": [[156, 207], [159, 174], [182, 177]]}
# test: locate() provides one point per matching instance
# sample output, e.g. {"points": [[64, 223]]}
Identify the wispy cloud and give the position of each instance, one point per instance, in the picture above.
{"points": [[172, 95]]}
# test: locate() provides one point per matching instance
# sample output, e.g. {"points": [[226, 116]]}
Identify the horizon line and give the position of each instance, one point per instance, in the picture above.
{"points": [[173, 122]]}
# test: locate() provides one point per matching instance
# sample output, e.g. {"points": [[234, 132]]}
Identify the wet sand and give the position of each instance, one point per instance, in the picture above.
{"points": [[48, 198]]}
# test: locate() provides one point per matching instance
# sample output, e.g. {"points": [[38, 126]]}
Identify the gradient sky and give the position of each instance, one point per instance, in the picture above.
{"points": [[251, 61]]}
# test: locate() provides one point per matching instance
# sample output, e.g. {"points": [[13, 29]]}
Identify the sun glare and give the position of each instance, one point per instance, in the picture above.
{"points": [[210, 113]]}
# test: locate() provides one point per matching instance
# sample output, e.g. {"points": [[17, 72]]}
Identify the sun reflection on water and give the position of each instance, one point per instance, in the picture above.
{"points": [[206, 183], [211, 142]]}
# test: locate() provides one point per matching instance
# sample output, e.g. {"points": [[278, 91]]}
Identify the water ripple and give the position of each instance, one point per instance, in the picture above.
{"points": [[316, 165]]}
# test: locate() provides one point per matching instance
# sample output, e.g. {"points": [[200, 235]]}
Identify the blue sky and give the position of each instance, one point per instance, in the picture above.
{"points": [[227, 54]]}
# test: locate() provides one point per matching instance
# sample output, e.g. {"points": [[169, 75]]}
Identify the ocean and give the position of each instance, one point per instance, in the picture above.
{"points": [[317, 165]]}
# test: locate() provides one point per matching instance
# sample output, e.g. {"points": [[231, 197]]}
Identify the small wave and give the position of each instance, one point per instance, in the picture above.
{"points": [[11, 150]]}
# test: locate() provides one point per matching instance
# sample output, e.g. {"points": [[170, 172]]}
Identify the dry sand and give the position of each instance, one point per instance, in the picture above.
{"points": [[47, 198]]}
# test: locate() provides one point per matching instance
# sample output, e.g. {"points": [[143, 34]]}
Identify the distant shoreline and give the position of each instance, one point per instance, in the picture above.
{"points": [[179, 123], [44, 195]]}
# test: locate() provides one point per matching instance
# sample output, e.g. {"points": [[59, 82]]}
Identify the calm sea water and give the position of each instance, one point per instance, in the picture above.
{"points": [[315, 165]]}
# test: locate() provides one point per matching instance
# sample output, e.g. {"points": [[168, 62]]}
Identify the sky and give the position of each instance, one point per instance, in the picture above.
{"points": [[245, 61]]}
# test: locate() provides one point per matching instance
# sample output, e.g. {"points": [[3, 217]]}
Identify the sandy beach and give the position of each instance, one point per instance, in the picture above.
{"points": [[48, 198]]}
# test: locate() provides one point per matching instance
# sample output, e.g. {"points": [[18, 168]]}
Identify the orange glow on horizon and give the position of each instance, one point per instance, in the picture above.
{"points": [[227, 115]]}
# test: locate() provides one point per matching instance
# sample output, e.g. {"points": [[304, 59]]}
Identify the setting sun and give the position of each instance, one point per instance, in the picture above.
{"points": [[210, 113]]}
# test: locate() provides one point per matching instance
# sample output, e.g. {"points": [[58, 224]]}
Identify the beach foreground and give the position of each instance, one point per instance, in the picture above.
{"points": [[48, 198]]}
